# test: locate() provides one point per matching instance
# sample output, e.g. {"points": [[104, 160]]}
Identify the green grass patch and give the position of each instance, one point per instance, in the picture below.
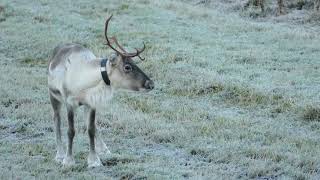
{"points": [[311, 113], [114, 161], [36, 149], [195, 89], [32, 62], [124, 7], [244, 96], [5, 12], [264, 154], [41, 19]]}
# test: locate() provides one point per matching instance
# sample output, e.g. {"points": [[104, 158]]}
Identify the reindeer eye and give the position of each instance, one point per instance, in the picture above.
{"points": [[127, 68]]}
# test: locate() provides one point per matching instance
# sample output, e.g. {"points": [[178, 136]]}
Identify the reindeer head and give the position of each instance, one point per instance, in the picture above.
{"points": [[122, 72]]}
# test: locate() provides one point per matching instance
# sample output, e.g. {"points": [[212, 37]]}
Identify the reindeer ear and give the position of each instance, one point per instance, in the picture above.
{"points": [[113, 59]]}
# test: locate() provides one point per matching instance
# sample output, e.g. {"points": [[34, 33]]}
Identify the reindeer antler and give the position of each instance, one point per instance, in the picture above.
{"points": [[124, 52]]}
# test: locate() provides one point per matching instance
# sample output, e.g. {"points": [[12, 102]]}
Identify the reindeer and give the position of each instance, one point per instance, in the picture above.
{"points": [[76, 77]]}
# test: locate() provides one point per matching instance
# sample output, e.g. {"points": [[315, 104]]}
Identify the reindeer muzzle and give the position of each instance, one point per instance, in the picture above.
{"points": [[149, 84]]}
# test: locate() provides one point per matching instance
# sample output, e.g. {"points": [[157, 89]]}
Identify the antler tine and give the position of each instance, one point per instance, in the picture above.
{"points": [[142, 59], [140, 51], [117, 43], [124, 53], [130, 54], [106, 36]]}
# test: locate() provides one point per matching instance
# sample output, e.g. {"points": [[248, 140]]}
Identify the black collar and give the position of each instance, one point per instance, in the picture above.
{"points": [[103, 69]]}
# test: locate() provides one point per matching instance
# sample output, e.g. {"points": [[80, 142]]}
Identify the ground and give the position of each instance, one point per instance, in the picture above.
{"points": [[235, 98]]}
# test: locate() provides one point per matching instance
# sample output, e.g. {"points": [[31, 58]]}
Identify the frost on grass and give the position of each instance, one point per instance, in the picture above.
{"points": [[227, 96]]}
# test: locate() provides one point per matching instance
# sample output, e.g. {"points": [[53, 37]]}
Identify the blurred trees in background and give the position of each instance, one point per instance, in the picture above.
{"points": [[281, 5], [257, 3], [261, 4]]}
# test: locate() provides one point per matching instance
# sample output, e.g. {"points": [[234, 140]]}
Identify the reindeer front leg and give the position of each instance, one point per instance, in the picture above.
{"points": [[93, 159], [68, 160]]}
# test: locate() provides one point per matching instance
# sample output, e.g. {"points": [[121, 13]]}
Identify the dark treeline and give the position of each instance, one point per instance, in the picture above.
{"points": [[281, 9]]}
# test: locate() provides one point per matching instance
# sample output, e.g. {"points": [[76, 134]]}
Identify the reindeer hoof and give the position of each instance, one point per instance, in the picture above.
{"points": [[59, 158], [93, 161], [59, 155], [68, 161]]}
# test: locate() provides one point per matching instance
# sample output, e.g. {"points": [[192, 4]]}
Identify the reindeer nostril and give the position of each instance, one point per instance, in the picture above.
{"points": [[149, 84]]}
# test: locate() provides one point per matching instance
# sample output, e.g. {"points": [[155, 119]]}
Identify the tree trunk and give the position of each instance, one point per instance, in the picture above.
{"points": [[316, 5], [261, 2], [280, 7]]}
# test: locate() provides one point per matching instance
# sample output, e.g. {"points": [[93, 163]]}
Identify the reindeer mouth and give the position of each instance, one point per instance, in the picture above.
{"points": [[144, 90], [149, 84], [134, 90]]}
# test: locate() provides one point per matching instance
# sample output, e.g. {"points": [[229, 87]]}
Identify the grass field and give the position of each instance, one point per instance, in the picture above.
{"points": [[234, 98]]}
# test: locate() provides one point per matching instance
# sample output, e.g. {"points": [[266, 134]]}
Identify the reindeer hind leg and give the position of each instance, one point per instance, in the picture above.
{"points": [[56, 106]]}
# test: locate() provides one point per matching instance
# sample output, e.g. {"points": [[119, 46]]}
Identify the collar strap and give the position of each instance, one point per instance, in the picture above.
{"points": [[103, 69]]}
